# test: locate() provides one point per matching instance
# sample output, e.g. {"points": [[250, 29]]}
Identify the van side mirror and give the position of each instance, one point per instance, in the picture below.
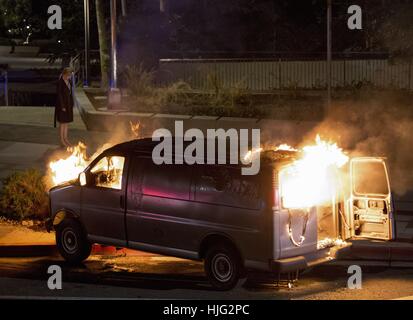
{"points": [[82, 179]]}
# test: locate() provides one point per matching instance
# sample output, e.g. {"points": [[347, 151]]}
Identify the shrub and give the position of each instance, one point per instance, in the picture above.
{"points": [[175, 93], [138, 80], [24, 196], [226, 96]]}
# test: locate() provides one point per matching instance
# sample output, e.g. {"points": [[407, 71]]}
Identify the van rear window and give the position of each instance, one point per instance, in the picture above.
{"points": [[370, 178]]}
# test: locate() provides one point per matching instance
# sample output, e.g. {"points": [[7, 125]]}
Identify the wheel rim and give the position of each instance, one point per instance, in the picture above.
{"points": [[69, 241], [222, 267]]}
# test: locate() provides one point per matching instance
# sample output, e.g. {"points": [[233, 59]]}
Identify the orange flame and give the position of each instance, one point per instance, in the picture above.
{"points": [[68, 169], [310, 180], [135, 128], [285, 147]]}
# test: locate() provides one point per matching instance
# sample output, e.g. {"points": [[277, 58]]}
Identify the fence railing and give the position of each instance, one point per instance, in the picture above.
{"points": [[267, 75], [77, 63]]}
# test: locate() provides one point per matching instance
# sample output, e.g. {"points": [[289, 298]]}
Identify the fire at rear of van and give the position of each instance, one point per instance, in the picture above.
{"points": [[290, 216]]}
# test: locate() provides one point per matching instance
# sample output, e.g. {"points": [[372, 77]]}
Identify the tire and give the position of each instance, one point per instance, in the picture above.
{"points": [[222, 267], [72, 242]]}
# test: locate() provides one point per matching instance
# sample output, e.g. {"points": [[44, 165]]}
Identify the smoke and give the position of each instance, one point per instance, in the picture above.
{"points": [[382, 127]]}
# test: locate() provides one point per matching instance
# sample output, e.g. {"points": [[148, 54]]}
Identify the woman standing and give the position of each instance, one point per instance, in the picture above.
{"points": [[64, 105]]}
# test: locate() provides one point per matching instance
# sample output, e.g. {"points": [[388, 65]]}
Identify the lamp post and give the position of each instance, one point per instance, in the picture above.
{"points": [[87, 42], [114, 92], [328, 71]]}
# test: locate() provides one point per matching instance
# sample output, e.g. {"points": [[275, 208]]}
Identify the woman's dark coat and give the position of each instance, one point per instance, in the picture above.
{"points": [[64, 100]]}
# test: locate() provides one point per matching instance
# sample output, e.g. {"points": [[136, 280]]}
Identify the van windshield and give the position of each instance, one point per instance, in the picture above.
{"points": [[370, 178]]}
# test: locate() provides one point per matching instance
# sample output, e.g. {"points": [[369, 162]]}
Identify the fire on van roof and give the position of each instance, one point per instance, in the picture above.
{"points": [[306, 181]]}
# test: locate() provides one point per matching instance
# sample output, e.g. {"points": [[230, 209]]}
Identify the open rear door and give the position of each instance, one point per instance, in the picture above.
{"points": [[370, 205]]}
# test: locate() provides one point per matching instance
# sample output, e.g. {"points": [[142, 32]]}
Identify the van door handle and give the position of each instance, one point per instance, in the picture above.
{"points": [[122, 202]]}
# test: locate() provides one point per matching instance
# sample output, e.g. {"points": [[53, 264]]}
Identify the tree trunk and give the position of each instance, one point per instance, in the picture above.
{"points": [[103, 43]]}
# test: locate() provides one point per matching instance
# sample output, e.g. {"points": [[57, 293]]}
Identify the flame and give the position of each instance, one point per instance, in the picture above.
{"points": [[68, 169], [251, 153], [135, 128], [285, 147], [311, 180]]}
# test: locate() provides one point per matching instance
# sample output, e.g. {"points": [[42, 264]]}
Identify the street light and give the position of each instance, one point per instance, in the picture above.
{"points": [[328, 71], [114, 92], [87, 42]]}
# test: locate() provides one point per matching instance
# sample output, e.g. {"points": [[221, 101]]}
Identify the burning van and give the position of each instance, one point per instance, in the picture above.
{"points": [[298, 211]]}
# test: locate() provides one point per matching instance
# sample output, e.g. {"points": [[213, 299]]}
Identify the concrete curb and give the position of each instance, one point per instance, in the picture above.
{"points": [[119, 120]]}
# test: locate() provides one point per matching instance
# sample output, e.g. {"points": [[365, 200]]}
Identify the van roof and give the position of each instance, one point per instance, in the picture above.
{"points": [[146, 145]]}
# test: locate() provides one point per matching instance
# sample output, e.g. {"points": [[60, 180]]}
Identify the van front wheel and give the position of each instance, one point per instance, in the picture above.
{"points": [[72, 242], [222, 267]]}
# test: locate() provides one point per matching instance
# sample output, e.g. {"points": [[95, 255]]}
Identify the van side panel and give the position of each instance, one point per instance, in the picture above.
{"points": [[173, 208], [302, 224], [159, 209], [234, 205], [294, 231]]}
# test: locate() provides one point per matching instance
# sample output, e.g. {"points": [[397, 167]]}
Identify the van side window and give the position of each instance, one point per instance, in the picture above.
{"points": [[107, 173], [166, 180], [225, 185]]}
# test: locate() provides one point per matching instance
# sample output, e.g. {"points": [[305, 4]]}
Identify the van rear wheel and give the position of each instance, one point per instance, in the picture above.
{"points": [[222, 267], [72, 242]]}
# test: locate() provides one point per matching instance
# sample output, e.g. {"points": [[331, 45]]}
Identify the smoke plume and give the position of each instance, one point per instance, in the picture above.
{"points": [[381, 126]]}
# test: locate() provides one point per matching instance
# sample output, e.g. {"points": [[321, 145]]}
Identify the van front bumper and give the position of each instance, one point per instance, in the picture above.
{"points": [[309, 260]]}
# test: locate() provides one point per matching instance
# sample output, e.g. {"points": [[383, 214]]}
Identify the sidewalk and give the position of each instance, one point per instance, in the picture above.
{"points": [[17, 240], [36, 116]]}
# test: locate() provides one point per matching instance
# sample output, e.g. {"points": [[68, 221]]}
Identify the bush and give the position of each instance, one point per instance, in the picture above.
{"points": [[175, 93], [24, 196], [138, 80], [238, 95]]}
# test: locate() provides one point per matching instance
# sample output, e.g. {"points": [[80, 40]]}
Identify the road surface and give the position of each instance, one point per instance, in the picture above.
{"points": [[152, 276]]}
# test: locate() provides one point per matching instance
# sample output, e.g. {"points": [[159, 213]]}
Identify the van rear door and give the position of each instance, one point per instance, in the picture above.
{"points": [[370, 205]]}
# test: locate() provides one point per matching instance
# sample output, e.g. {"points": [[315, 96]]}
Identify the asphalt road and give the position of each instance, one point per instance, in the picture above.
{"points": [[151, 276]]}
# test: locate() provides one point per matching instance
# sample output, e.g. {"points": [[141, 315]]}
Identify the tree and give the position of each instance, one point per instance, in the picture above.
{"points": [[103, 42], [397, 30], [27, 19], [18, 18]]}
